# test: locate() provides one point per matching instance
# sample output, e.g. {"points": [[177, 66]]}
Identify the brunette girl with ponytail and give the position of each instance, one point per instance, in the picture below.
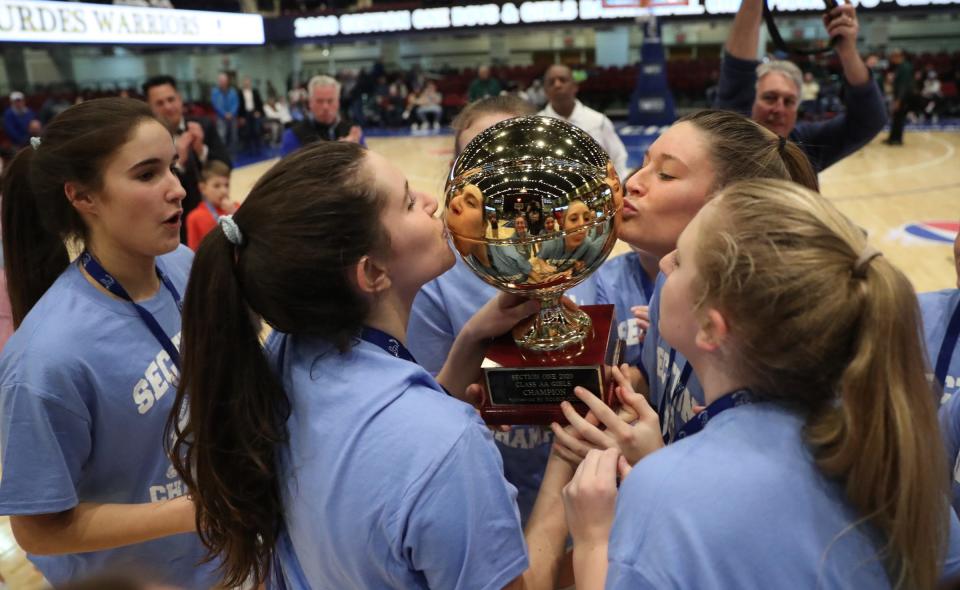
{"points": [[333, 460], [87, 379]]}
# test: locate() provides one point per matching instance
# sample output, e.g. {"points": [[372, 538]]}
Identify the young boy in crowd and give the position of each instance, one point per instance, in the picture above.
{"points": [[215, 188]]}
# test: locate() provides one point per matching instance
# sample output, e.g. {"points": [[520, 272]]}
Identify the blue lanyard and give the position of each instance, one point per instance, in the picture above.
{"points": [[99, 274], [645, 283], [391, 345], [731, 400], [947, 347], [672, 397], [216, 216]]}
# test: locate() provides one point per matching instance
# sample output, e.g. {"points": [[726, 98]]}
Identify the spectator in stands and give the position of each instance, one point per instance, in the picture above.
{"points": [[535, 93], [196, 140], [17, 119], [563, 104], [484, 85], [429, 106], [324, 121], [362, 92], [809, 96], [226, 103], [298, 101], [348, 90], [772, 89], [903, 96], [395, 102], [53, 106], [932, 96], [513, 88], [277, 117], [251, 113]]}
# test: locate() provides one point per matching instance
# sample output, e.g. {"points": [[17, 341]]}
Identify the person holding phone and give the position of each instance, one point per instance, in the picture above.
{"points": [[769, 92]]}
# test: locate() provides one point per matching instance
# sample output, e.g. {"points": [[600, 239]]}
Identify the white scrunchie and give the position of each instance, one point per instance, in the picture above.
{"points": [[35, 142], [231, 230]]}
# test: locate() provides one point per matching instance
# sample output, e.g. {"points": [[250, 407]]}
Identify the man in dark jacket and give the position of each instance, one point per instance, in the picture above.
{"points": [[250, 115], [324, 122], [770, 92], [196, 140], [903, 96]]}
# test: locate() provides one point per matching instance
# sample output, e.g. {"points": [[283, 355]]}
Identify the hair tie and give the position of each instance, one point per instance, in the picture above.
{"points": [[35, 143], [782, 146], [231, 230], [860, 266]]}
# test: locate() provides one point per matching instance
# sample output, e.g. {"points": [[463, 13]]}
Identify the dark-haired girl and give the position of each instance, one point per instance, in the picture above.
{"points": [[88, 378], [335, 461]]}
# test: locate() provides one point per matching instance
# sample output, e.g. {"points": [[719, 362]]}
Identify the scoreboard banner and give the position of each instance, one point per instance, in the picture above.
{"points": [[42, 21], [533, 12]]}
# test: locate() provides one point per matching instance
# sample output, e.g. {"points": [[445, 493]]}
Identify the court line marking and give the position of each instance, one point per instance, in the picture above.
{"points": [[916, 191], [918, 166]]}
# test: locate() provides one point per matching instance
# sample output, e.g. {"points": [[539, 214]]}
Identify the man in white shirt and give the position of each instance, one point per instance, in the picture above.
{"points": [[562, 103]]}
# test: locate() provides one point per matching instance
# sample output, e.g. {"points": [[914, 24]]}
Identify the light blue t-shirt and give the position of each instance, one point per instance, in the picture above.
{"points": [[623, 282], [85, 391], [742, 505], [937, 308], [440, 310], [950, 430], [674, 387], [387, 482]]}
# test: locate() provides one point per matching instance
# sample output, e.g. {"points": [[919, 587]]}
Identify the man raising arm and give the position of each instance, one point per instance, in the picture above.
{"points": [[770, 92]]}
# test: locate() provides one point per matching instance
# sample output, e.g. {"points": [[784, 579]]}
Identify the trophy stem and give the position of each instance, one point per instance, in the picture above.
{"points": [[554, 328]]}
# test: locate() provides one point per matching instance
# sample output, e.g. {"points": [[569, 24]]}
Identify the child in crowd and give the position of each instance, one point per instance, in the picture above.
{"points": [[215, 188]]}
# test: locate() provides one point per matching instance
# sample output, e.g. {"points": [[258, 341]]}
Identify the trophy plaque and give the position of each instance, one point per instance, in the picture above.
{"points": [[533, 206]]}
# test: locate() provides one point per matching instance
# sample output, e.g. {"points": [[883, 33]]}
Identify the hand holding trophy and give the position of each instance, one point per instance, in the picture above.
{"points": [[538, 168]]}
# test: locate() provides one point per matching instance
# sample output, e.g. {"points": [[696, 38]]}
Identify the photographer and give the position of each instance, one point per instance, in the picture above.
{"points": [[770, 92]]}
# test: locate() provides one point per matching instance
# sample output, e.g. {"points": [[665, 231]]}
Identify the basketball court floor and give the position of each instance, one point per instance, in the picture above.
{"points": [[907, 198]]}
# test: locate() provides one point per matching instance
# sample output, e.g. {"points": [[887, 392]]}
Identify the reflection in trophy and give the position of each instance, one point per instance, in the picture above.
{"points": [[546, 175], [543, 171]]}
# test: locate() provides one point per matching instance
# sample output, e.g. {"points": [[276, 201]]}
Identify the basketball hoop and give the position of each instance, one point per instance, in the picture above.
{"points": [[643, 16], [642, 10]]}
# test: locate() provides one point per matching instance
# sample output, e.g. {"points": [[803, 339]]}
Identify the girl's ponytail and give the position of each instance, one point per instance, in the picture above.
{"points": [[227, 430], [33, 257], [846, 352], [878, 439]]}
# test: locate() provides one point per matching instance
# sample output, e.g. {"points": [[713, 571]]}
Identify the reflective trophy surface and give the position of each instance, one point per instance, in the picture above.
{"points": [[532, 205]]}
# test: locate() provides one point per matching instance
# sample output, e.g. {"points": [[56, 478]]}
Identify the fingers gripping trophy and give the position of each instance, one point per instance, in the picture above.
{"points": [[543, 169]]}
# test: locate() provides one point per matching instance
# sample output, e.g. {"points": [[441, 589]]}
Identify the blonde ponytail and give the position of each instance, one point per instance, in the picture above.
{"points": [[846, 351], [882, 439]]}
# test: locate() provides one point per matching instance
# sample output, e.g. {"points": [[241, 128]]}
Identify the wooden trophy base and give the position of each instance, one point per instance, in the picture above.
{"points": [[526, 387]]}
